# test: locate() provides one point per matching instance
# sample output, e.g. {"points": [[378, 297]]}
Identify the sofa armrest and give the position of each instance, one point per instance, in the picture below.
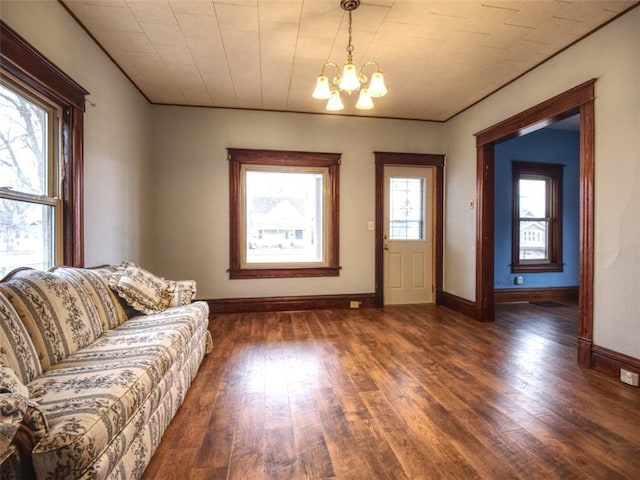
{"points": [[12, 410], [22, 422], [16, 460], [22, 426]]}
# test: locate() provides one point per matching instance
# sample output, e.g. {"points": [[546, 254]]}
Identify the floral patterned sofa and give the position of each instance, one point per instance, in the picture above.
{"points": [[94, 364]]}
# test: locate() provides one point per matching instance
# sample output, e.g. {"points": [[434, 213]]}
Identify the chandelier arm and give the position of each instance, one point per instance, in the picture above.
{"points": [[370, 62], [329, 64], [362, 76]]}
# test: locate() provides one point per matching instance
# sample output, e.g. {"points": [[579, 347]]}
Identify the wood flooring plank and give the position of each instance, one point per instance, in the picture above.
{"points": [[415, 454], [347, 461], [405, 392], [313, 455]]}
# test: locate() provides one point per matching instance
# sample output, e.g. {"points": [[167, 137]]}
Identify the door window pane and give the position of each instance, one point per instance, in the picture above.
{"points": [[406, 209]]}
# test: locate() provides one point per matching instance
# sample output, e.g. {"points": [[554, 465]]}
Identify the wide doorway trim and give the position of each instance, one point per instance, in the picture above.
{"points": [[579, 99]]}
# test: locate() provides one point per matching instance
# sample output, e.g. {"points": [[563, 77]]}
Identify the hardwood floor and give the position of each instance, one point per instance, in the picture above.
{"points": [[411, 392]]}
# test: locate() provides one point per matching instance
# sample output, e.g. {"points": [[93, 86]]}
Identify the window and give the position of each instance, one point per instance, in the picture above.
{"points": [[30, 225], [537, 217], [41, 119], [284, 214]]}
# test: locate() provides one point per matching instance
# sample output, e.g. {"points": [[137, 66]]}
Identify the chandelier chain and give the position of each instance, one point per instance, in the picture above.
{"points": [[349, 46]]}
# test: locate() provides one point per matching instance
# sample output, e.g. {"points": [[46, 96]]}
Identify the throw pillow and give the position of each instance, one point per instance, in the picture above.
{"points": [[141, 289], [181, 292]]}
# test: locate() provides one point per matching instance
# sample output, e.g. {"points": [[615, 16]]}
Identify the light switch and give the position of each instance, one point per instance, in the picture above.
{"points": [[370, 225]]}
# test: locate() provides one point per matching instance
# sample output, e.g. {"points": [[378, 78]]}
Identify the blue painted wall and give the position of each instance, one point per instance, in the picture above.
{"points": [[551, 146]]}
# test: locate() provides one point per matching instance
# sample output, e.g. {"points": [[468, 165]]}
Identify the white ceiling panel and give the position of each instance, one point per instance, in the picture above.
{"points": [[438, 57]]}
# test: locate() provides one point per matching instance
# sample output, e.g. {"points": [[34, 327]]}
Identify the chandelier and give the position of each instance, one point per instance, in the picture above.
{"points": [[348, 80]]}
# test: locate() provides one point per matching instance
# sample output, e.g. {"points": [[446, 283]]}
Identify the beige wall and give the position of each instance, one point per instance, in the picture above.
{"points": [[116, 145], [192, 194], [611, 56]]}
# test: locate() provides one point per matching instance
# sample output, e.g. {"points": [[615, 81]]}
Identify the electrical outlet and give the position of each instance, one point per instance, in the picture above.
{"points": [[519, 280], [630, 378], [354, 304]]}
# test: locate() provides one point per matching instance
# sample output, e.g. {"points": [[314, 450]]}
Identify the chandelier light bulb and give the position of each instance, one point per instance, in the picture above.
{"points": [[335, 102], [349, 80], [322, 90], [364, 100], [376, 86]]}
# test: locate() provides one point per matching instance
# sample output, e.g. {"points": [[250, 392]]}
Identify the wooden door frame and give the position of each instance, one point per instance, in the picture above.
{"points": [[408, 159], [579, 99]]}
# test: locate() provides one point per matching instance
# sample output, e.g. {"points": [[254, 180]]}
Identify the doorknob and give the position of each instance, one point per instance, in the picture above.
{"points": [[386, 247]]}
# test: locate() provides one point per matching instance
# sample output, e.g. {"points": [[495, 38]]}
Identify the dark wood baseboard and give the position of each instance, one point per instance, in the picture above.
{"points": [[557, 294], [455, 303], [609, 362], [281, 304]]}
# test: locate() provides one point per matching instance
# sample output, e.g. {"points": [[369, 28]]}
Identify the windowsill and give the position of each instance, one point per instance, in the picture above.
{"points": [[537, 268], [249, 273]]}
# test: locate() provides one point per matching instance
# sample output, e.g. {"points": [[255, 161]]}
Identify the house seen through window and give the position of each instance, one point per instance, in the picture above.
{"points": [[284, 216]]}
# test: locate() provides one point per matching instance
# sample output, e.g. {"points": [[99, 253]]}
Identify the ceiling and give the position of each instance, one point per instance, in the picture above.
{"points": [[438, 57]]}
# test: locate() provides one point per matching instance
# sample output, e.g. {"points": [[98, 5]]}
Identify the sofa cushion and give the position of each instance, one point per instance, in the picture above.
{"points": [[96, 283], [16, 348], [58, 314], [141, 289]]}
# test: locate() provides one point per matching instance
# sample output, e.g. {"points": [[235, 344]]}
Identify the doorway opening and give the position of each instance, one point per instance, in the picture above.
{"points": [[580, 100]]}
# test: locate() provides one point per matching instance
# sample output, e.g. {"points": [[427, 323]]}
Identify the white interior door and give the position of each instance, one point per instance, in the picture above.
{"points": [[408, 235]]}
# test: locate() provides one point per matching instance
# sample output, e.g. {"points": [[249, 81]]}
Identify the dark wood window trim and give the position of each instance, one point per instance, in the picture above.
{"points": [[30, 66], [553, 172], [278, 158]]}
